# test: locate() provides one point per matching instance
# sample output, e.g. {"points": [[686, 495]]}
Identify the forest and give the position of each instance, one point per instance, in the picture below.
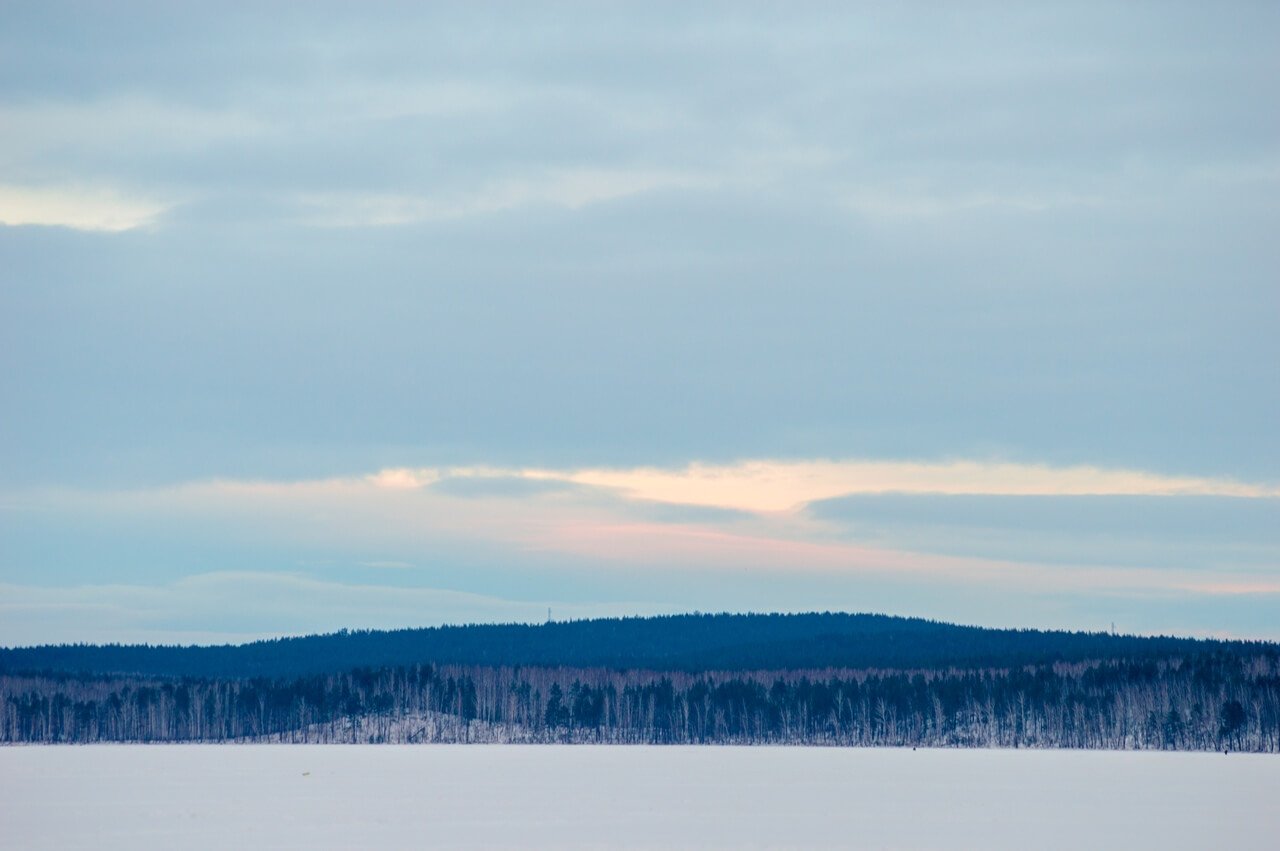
{"points": [[1047, 690], [690, 643]]}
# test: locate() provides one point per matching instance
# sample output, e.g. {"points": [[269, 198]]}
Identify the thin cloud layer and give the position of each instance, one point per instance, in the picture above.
{"points": [[572, 190], [785, 486], [781, 485], [495, 530]]}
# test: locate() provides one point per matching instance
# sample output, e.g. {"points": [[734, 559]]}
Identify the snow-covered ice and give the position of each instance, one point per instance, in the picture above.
{"points": [[347, 796]]}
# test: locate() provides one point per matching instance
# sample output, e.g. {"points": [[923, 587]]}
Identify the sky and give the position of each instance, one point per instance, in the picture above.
{"points": [[317, 316]]}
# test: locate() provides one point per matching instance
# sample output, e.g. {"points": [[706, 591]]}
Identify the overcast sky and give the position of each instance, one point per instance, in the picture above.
{"points": [[364, 315]]}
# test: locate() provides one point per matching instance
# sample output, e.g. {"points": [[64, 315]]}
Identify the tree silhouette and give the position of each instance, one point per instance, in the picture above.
{"points": [[1233, 718]]}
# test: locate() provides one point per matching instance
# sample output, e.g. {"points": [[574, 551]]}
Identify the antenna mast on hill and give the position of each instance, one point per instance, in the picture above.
{"points": [[548, 614]]}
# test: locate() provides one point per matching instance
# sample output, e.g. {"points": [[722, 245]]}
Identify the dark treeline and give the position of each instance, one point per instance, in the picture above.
{"points": [[688, 643], [1209, 699]]}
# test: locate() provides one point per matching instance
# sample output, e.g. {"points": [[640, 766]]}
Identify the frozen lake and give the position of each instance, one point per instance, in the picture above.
{"points": [[346, 796]]}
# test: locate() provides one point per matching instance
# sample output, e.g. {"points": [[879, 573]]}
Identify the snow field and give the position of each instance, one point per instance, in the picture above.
{"points": [[546, 796]]}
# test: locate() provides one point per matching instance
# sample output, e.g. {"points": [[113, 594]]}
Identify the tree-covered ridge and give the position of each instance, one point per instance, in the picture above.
{"points": [[685, 643], [1206, 700]]}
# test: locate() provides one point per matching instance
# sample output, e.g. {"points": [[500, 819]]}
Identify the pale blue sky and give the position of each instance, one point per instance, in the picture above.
{"points": [[338, 315]]}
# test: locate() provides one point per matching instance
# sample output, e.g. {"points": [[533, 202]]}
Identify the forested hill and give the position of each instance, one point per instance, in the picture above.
{"points": [[689, 643]]}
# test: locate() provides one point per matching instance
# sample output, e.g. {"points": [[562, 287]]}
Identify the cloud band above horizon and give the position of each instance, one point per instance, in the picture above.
{"points": [[931, 531]]}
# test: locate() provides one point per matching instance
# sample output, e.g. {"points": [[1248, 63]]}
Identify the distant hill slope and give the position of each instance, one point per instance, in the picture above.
{"points": [[694, 642]]}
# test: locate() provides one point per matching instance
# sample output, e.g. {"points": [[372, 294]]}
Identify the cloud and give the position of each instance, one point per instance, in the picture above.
{"points": [[765, 516], [79, 208], [1206, 533], [234, 606], [571, 189], [897, 205], [92, 129], [631, 234], [404, 546], [737, 554], [401, 478], [497, 483], [781, 486], [1178, 518], [588, 249], [793, 515], [765, 486]]}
